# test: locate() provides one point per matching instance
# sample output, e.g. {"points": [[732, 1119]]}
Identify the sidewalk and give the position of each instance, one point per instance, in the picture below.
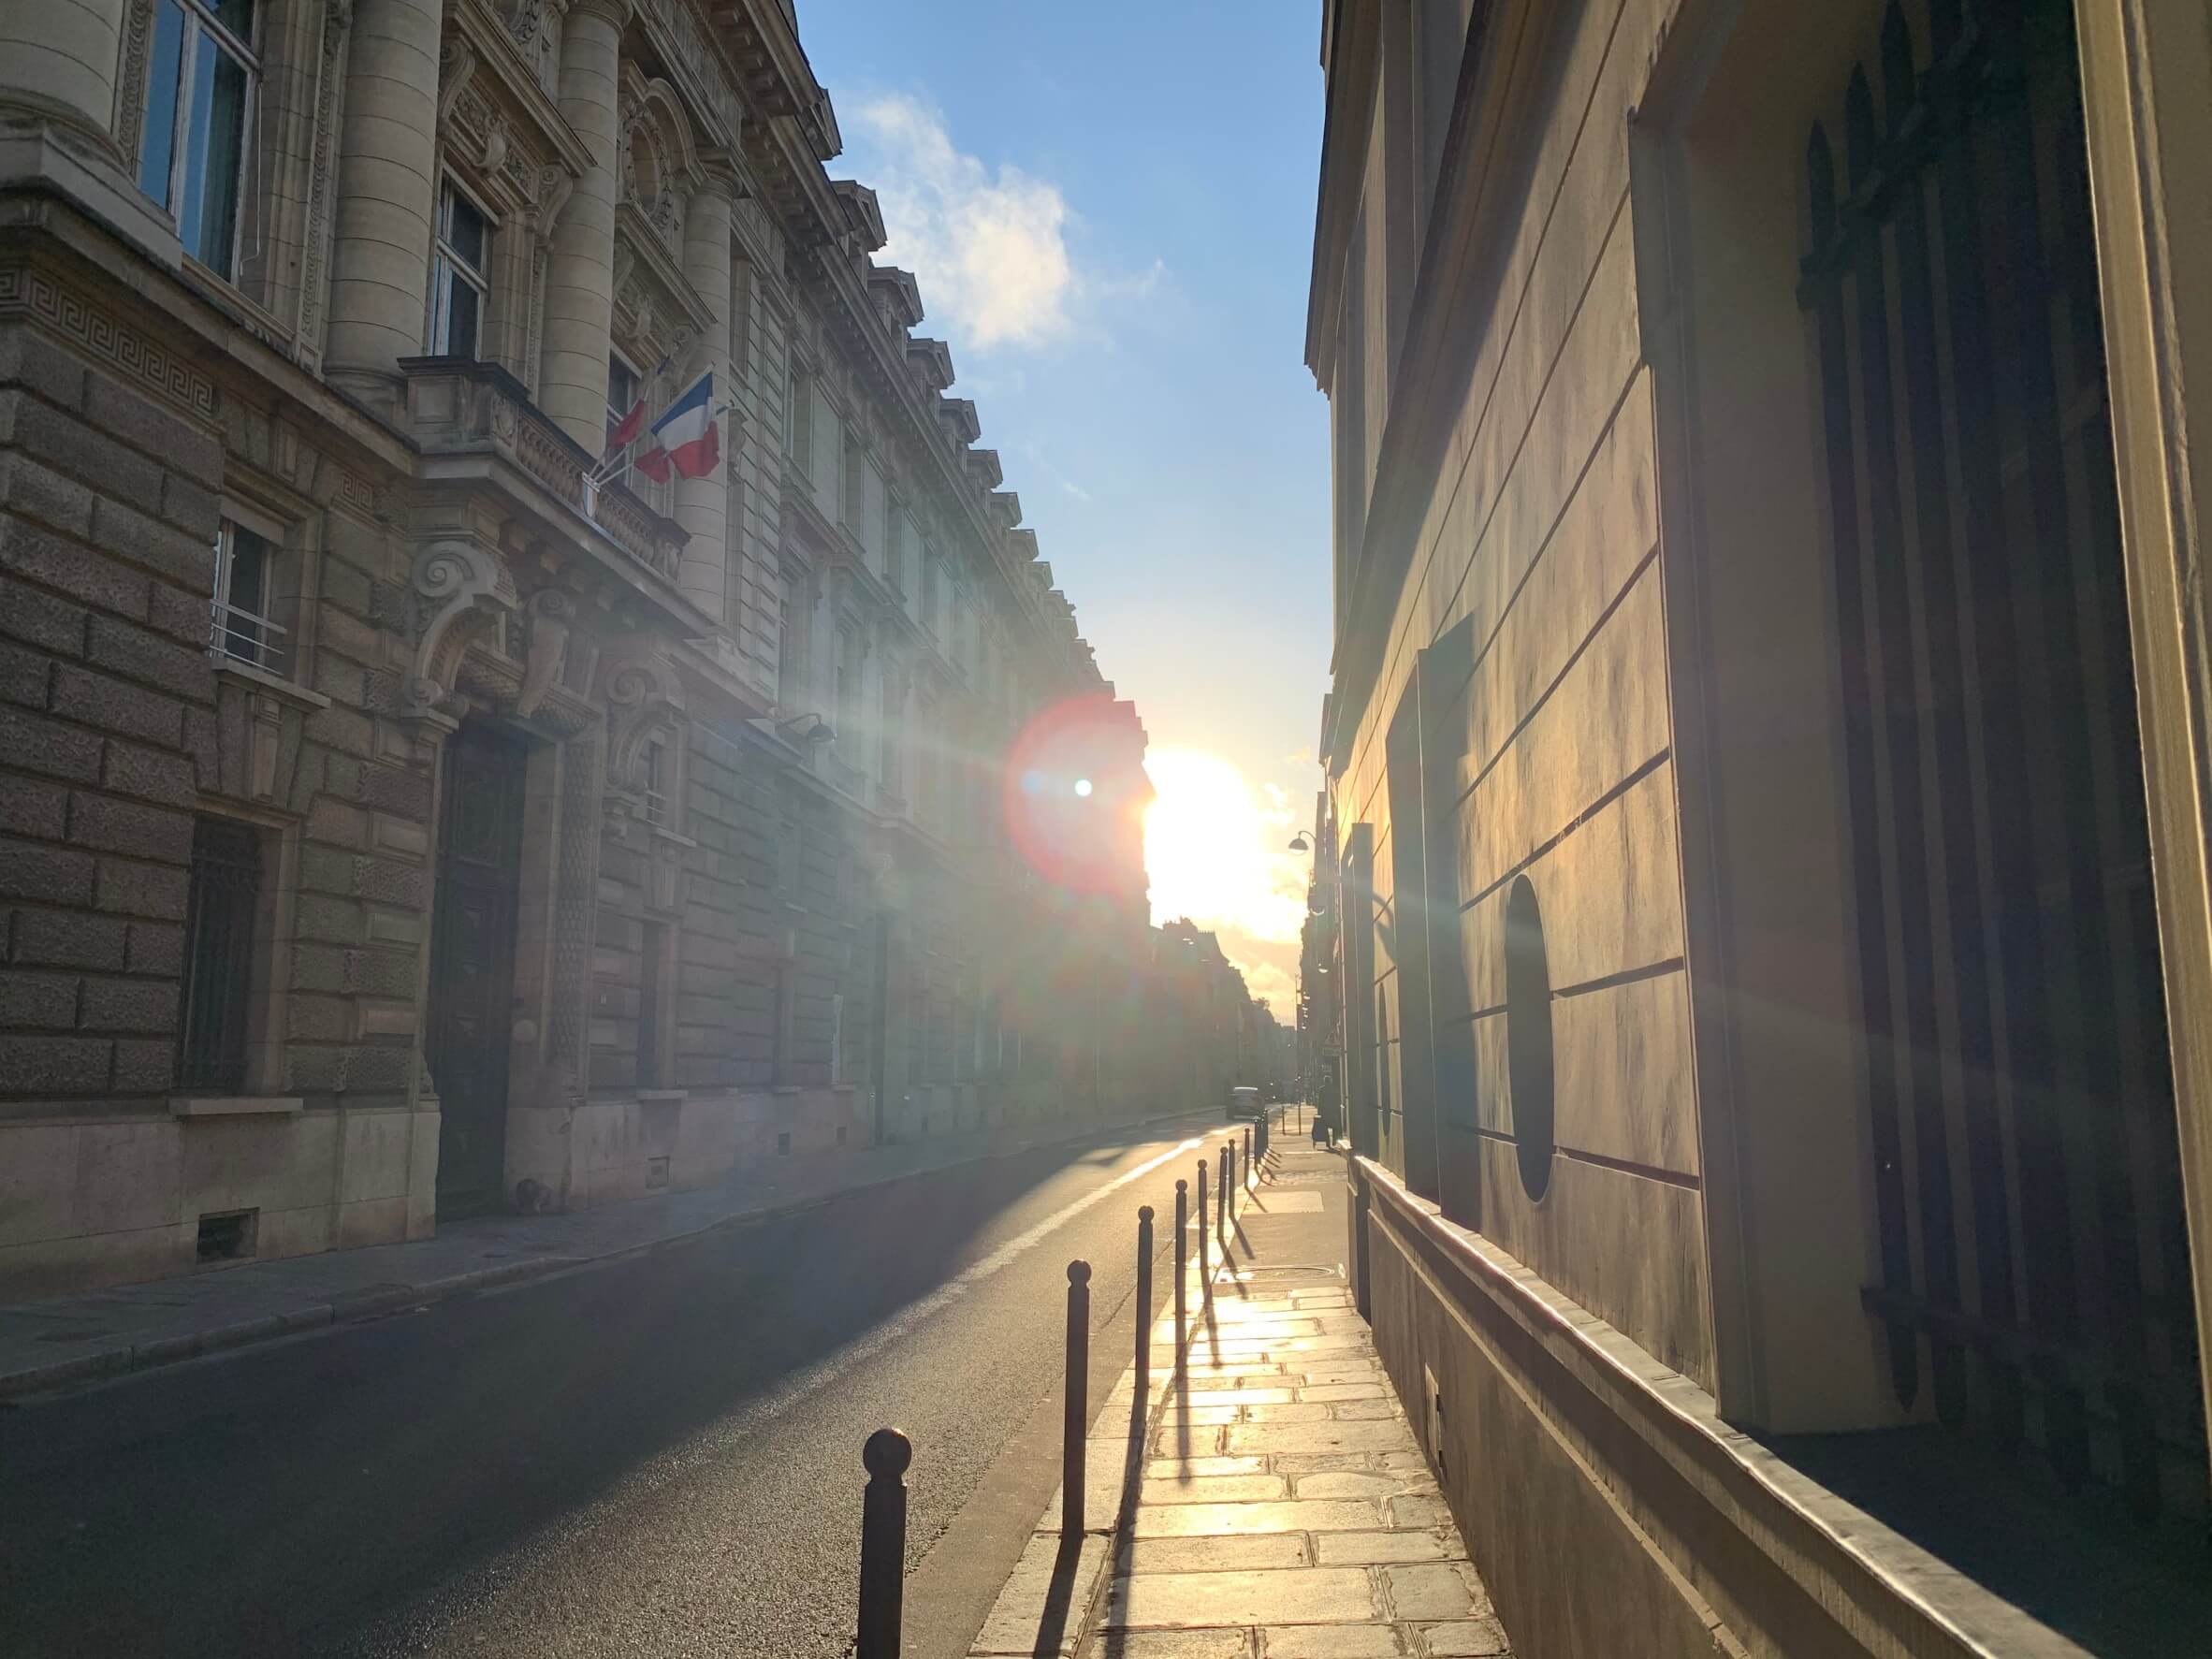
{"points": [[65, 1341], [1282, 1508]]}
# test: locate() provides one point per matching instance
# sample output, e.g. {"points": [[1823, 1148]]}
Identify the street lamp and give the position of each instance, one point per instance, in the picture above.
{"points": [[807, 728], [1302, 842]]}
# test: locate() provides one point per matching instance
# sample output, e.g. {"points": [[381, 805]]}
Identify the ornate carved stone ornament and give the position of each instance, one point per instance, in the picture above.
{"points": [[657, 166], [459, 590], [534, 26], [550, 612], [254, 753], [30, 292], [698, 60], [645, 699], [500, 133]]}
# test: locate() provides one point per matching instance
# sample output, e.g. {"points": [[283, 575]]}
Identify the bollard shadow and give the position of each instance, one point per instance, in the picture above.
{"points": [[1060, 1599]]}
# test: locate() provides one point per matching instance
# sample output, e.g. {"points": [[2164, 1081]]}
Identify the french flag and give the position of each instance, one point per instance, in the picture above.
{"points": [[686, 439], [627, 428]]}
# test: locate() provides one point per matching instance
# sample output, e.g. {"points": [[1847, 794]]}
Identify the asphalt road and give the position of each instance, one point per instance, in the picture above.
{"points": [[658, 1456]]}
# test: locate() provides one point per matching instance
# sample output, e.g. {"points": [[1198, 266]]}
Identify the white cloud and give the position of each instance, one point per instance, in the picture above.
{"points": [[990, 252], [1076, 490]]}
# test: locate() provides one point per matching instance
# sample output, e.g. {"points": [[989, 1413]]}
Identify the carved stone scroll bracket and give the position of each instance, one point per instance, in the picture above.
{"points": [[643, 695], [552, 613], [460, 589]]}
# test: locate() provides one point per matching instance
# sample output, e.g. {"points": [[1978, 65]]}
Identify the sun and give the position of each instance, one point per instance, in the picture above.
{"points": [[1205, 838], [1215, 853]]}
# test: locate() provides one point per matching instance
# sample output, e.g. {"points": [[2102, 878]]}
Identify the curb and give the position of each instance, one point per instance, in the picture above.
{"points": [[374, 1301]]}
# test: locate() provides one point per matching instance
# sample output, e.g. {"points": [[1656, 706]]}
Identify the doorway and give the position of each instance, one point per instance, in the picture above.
{"points": [[471, 996]]}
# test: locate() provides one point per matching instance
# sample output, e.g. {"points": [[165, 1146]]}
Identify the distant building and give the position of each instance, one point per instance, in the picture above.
{"points": [[1207, 1030], [1766, 764], [412, 807]]}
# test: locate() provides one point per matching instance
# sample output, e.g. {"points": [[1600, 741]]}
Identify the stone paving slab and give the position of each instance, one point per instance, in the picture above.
{"points": [[1302, 1595], [1284, 1509], [1287, 1510], [1047, 1606]]}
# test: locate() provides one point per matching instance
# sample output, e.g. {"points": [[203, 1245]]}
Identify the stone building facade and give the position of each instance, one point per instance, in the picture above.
{"points": [[1766, 760], [522, 831]]}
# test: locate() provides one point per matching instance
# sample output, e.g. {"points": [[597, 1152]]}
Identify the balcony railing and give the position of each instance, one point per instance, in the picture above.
{"points": [[459, 406], [241, 637]]}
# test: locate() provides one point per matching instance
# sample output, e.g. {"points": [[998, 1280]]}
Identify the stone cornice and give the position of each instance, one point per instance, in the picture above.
{"points": [[1462, 264], [829, 225], [931, 360], [1349, 51]]}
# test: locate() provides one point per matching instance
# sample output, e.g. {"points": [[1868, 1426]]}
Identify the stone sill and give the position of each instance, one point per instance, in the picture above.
{"points": [[275, 684], [237, 1105], [661, 1097]]}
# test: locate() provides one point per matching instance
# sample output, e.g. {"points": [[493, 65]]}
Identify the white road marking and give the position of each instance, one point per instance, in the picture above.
{"points": [[828, 1369]]}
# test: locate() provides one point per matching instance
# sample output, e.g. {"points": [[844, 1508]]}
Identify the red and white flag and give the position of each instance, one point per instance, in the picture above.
{"points": [[627, 428], [686, 439]]}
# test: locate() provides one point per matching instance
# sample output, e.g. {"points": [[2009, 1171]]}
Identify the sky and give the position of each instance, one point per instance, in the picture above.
{"points": [[1109, 209]]}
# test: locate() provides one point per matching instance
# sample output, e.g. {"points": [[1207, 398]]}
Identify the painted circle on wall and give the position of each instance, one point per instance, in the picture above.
{"points": [[1528, 1036]]}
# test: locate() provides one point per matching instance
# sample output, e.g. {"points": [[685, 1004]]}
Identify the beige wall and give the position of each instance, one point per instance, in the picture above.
{"points": [[1541, 528]]}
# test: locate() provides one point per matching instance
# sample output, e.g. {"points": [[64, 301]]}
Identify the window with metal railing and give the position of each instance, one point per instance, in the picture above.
{"points": [[2013, 1052], [222, 927], [241, 624]]}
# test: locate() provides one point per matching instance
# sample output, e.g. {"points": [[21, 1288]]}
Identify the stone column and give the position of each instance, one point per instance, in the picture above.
{"points": [[59, 113], [58, 58], [387, 195], [702, 505], [580, 273]]}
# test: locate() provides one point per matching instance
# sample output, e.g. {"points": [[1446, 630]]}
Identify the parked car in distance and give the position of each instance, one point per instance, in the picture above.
{"points": [[1243, 1103]]}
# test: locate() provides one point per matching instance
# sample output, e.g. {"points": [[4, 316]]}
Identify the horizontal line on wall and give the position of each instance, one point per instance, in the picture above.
{"points": [[1628, 976], [1624, 1166], [1581, 818], [1543, 698]]}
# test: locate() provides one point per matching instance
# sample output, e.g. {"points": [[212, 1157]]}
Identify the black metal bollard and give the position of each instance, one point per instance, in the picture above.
{"points": [[1247, 1165], [1076, 1423], [1145, 1301], [1205, 1273], [1182, 1246], [883, 1544]]}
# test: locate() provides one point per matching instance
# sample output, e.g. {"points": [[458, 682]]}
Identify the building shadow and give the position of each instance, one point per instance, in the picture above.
{"points": [[144, 1515]]}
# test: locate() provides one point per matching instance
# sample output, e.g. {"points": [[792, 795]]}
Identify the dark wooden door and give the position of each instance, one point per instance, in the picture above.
{"points": [[472, 1007]]}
